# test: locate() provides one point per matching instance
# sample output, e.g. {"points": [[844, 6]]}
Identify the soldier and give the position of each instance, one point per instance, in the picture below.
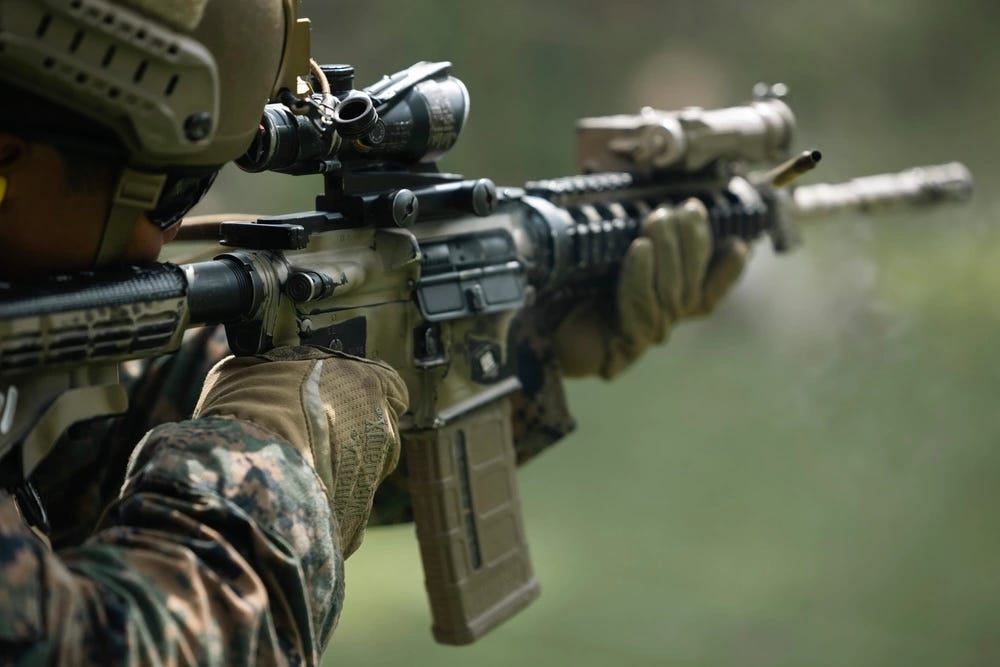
{"points": [[226, 542]]}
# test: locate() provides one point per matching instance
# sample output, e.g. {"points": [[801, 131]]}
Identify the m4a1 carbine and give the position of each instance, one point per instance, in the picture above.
{"points": [[425, 271]]}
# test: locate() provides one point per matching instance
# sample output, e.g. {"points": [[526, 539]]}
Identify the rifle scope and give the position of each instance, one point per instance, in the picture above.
{"points": [[410, 117]]}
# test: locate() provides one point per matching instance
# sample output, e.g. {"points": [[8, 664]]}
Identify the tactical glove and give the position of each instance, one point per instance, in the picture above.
{"points": [[669, 273], [339, 411]]}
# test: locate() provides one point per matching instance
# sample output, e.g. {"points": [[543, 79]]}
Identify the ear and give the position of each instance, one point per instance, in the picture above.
{"points": [[12, 151]]}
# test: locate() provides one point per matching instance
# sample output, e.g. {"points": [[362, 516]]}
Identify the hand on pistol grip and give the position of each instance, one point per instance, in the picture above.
{"points": [[339, 411]]}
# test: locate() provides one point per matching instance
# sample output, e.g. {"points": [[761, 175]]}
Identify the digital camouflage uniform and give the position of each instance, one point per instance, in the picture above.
{"points": [[220, 549], [220, 530], [160, 391]]}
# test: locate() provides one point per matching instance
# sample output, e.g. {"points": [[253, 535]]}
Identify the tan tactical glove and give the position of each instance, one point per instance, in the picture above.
{"points": [[339, 411], [668, 274]]}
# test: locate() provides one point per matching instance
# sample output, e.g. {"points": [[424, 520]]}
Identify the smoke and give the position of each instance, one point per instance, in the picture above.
{"points": [[823, 301]]}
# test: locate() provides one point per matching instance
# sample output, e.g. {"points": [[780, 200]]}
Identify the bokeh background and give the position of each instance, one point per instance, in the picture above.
{"points": [[809, 476]]}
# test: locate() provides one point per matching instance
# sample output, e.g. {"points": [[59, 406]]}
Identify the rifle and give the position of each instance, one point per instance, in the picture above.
{"points": [[426, 271]]}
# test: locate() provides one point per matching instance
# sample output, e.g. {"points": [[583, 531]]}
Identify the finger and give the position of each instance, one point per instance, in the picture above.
{"points": [[723, 275], [394, 389], [636, 297], [294, 353], [695, 251], [660, 228]]}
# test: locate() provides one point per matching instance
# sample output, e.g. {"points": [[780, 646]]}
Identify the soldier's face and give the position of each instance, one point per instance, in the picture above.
{"points": [[49, 224]]}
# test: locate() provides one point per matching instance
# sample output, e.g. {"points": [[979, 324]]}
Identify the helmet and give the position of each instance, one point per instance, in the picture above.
{"points": [[179, 84]]}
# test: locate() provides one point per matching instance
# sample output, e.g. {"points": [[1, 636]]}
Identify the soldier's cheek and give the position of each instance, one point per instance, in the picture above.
{"points": [[147, 240]]}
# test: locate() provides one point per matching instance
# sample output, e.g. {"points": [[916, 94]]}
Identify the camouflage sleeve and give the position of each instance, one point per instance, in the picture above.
{"points": [[220, 550]]}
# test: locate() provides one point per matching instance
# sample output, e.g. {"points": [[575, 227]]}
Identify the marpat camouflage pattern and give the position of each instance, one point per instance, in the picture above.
{"points": [[220, 550]]}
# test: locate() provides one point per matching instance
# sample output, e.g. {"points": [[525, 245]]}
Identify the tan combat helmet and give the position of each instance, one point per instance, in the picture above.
{"points": [[180, 83]]}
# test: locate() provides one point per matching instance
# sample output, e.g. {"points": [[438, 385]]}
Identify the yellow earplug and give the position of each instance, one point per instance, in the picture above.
{"points": [[3, 188]]}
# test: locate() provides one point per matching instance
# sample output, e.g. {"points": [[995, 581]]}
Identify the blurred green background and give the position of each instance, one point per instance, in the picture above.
{"points": [[808, 477]]}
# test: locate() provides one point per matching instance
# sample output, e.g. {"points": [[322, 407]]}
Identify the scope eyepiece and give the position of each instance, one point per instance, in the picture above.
{"points": [[289, 143]]}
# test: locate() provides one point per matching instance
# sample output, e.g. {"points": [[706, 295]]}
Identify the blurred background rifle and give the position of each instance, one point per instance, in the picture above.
{"points": [[424, 270]]}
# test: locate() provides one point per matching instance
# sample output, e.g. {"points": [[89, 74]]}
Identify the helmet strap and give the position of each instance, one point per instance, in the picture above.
{"points": [[135, 193]]}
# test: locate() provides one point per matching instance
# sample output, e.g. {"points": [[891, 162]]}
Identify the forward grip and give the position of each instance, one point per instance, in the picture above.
{"points": [[469, 524]]}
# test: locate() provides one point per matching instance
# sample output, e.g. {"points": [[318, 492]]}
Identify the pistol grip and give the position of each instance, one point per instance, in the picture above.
{"points": [[468, 519]]}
